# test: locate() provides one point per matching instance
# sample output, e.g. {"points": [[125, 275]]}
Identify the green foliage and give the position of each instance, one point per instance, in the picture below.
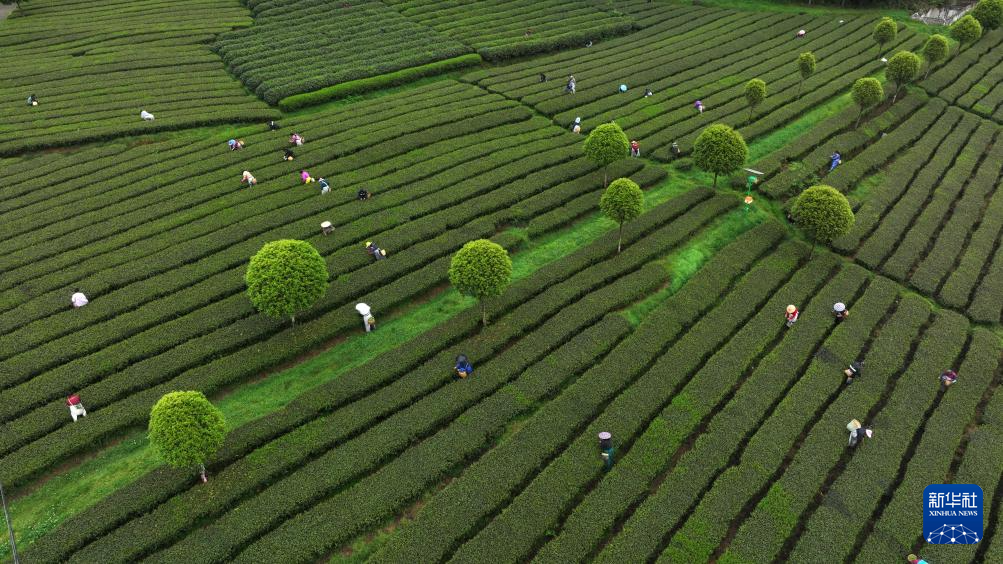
{"points": [[806, 66], [935, 50], [989, 13], [755, 93], [903, 68], [966, 30], [823, 212], [720, 149], [362, 85], [622, 201], [867, 92], [481, 269], [605, 145], [186, 429], [885, 31], [286, 277]]}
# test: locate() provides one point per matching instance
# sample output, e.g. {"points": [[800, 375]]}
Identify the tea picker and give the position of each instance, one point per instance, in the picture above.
{"points": [[606, 446]]}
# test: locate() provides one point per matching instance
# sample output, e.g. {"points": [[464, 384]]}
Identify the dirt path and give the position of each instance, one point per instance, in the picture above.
{"points": [[6, 9]]}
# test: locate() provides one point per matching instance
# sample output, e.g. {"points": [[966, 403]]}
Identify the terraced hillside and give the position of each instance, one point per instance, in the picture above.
{"points": [[696, 54], [500, 29], [729, 426], [164, 255], [306, 45], [94, 67]]}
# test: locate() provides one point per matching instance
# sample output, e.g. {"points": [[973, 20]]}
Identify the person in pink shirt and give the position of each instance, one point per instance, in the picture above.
{"points": [[305, 177]]}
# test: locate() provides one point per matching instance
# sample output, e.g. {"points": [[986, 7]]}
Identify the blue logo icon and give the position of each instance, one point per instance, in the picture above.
{"points": [[952, 514]]}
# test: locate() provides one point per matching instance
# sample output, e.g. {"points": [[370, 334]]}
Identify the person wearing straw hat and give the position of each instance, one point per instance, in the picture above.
{"points": [[857, 432], [368, 321], [577, 126], [913, 559], [839, 311], [792, 315]]}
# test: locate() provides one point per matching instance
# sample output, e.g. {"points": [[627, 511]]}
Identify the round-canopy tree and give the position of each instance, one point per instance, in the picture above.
{"points": [[885, 31], [481, 269], [186, 429], [867, 92], [966, 30], [903, 68], [989, 13], [720, 149], [824, 213], [755, 92], [934, 51], [806, 66], [622, 202], [286, 277], [606, 145]]}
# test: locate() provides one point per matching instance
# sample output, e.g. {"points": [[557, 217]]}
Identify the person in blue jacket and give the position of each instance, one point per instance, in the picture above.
{"points": [[837, 159], [463, 367]]}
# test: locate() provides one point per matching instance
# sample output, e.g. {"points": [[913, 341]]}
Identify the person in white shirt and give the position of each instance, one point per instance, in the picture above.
{"points": [[147, 116], [78, 299]]}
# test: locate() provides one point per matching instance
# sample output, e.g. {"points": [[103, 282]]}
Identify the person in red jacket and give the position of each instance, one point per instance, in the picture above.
{"points": [[792, 315]]}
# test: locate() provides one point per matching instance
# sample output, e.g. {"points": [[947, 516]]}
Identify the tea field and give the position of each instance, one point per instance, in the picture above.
{"points": [[729, 427]]}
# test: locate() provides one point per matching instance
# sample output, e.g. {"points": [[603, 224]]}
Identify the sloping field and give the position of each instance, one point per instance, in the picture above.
{"points": [[501, 29], [305, 45], [94, 67], [696, 54], [163, 256]]}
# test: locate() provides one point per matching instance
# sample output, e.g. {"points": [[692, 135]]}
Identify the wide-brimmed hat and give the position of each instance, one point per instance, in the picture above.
{"points": [[791, 309], [840, 307]]}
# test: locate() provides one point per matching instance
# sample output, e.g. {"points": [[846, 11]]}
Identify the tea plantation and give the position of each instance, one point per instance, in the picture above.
{"points": [[419, 126]]}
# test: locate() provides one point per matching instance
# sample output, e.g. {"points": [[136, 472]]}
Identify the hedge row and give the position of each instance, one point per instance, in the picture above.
{"points": [[131, 224], [510, 28], [232, 245], [366, 39], [765, 450], [912, 113], [230, 322], [408, 452], [939, 210], [897, 529], [864, 482], [363, 85], [543, 308], [964, 270], [731, 427], [678, 395], [91, 82], [791, 495], [406, 413], [455, 514], [592, 519], [249, 330], [146, 493], [884, 238], [900, 174], [956, 76]]}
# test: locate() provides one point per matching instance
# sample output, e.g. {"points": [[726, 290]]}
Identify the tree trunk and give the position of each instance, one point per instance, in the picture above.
{"points": [[202, 473], [860, 115], [929, 67], [896, 94], [800, 84], [812, 252], [751, 109], [484, 314], [293, 318], [619, 241], [715, 180], [605, 180]]}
